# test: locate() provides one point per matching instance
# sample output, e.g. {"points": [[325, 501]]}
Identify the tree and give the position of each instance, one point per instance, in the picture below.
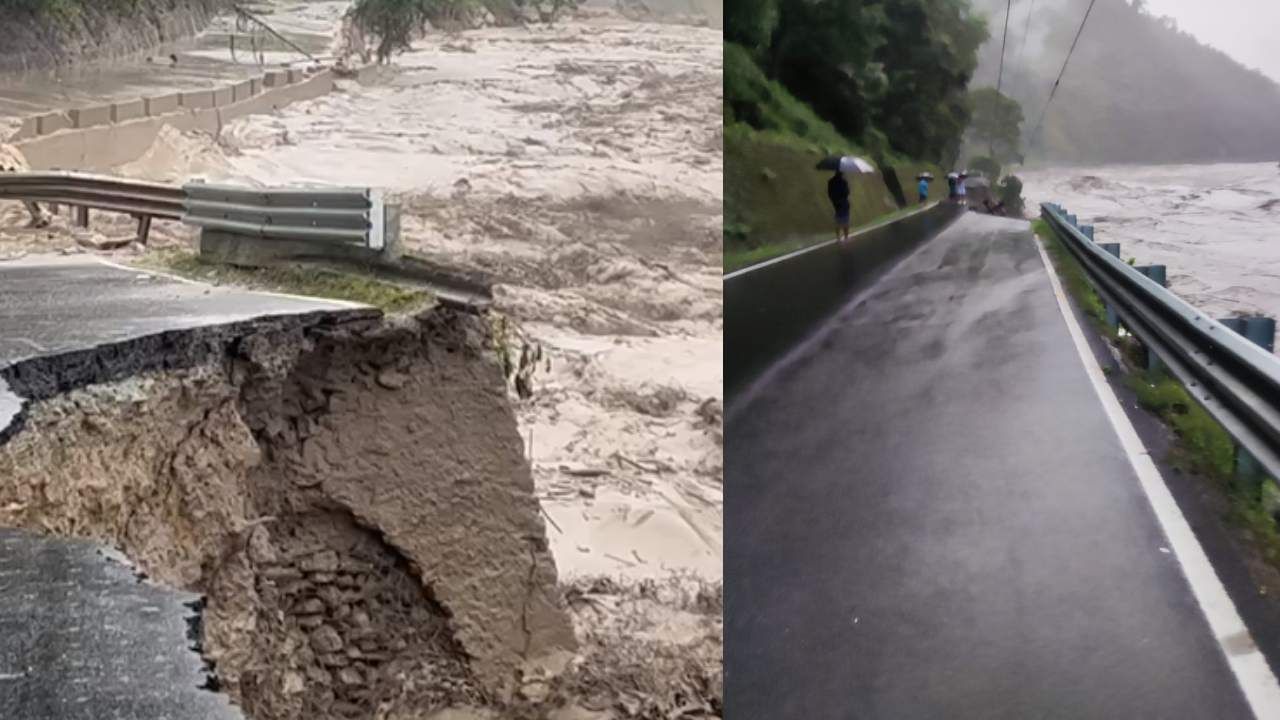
{"points": [[1009, 192], [392, 22], [997, 123], [823, 51], [987, 166], [929, 55], [750, 23]]}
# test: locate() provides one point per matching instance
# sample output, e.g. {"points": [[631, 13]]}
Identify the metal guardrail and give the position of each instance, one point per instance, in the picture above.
{"points": [[351, 216], [1235, 380], [344, 215], [143, 200]]}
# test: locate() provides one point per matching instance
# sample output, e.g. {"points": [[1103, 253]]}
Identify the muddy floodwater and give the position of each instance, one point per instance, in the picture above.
{"points": [[579, 164], [211, 58], [1216, 227]]}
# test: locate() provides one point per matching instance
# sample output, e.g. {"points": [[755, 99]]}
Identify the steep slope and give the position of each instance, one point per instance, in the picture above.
{"points": [[1137, 88]]}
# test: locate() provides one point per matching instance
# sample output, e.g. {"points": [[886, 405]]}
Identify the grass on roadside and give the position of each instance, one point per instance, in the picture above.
{"points": [[1203, 446], [738, 258], [297, 280], [1073, 278]]}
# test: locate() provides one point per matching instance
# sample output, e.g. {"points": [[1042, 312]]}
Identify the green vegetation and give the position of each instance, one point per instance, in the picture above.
{"points": [[1073, 278], [293, 279], [888, 73], [1009, 192], [881, 79], [1137, 90], [754, 102], [997, 125], [395, 23], [1203, 447], [776, 202], [985, 165]]}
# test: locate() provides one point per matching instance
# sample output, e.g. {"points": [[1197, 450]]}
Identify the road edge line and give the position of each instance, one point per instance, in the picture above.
{"points": [[825, 243], [1251, 671]]}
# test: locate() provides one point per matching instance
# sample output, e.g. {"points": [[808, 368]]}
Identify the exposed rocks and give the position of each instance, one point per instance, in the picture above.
{"points": [[363, 549]]}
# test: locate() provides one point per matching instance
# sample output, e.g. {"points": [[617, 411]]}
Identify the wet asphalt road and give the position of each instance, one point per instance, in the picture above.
{"points": [[53, 305], [50, 305], [930, 516], [80, 636], [83, 638]]}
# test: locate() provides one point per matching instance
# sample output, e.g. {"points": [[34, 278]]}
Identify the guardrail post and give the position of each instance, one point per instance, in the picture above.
{"points": [[1260, 331], [1087, 231], [1113, 320], [1159, 274], [144, 228], [1071, 219], [82, 216]]}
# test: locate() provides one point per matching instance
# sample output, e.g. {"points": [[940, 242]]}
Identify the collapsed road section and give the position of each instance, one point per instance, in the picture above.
{"points": [[348, 492]]}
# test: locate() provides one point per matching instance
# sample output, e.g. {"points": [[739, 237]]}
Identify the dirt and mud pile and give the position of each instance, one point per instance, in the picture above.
{"points": [[351, 498]]}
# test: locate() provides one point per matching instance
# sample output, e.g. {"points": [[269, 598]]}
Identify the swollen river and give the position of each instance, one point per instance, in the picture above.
{"points": [[1216, 227]]}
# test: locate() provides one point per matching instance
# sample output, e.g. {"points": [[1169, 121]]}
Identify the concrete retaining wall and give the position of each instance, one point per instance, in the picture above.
{"points": [[101, 137]]}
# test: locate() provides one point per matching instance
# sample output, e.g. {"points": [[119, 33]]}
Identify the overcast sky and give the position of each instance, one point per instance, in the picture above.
{"points": [[1244, 29]]}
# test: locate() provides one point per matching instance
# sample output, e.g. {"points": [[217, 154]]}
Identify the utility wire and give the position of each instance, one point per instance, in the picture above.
{"points": [[1008, 8], [1053, 90], [1026, 30]]}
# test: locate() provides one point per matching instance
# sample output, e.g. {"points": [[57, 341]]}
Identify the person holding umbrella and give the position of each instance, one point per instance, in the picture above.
{"points": [[953, 179], [922, 189], [962, 193], [838, 194], [838, 188]]}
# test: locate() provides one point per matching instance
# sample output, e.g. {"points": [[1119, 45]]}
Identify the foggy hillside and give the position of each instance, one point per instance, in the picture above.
{"points": [[1137, 89]]}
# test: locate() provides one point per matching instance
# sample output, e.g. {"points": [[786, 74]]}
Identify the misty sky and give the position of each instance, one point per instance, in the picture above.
{"points": [[1243, 29]]}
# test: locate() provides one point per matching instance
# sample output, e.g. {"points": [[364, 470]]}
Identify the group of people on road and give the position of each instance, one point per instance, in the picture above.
{"points": [[838, 193]]}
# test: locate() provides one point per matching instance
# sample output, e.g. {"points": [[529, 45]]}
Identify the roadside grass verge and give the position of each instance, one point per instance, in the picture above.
{"points": [[736, 258], [307, 280], [1202, 446], [1073, 278]]}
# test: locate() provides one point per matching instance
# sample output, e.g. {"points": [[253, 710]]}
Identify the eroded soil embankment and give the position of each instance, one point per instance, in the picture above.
{"points": [[351, 497]]}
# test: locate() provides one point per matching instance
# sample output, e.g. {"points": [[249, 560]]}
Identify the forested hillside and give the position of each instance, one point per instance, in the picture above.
{"points": [[886, 79], [1137, 88], [879, 71]]}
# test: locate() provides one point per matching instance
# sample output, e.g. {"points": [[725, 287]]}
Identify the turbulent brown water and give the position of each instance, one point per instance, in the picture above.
{"points": [[1216, 227]]}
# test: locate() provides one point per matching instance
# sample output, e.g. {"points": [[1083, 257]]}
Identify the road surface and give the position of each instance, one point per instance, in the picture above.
{"points": [[51, 305], [930, 515], [81, 638]]}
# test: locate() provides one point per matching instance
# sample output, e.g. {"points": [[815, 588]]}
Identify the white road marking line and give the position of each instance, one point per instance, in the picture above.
{"points": [[811, 248], [826, 326], [1246, 661]]}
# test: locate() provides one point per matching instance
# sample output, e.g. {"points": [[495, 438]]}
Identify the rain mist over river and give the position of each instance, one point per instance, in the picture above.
{"points": [[1216, 227]]}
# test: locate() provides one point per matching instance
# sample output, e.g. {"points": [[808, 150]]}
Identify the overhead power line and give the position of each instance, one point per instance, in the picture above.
{"points": [[1054, 90], [1026, 30], [1008, 7]]}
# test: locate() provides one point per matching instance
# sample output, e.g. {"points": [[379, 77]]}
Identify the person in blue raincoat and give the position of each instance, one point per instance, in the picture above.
{"points": [[922, 189]]}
